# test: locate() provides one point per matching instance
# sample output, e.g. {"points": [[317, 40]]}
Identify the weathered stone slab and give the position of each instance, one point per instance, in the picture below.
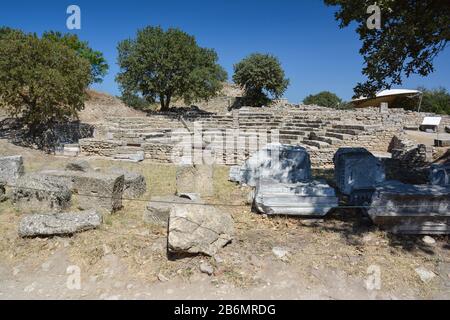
{"points": [[440, 175], [282, 163], [356, 169], [195, 179], [411, 209], [35, 192], [11, 169], [199, 229], [79, 165], [59, 224], [158, 210], [134, 183], [94, 190], [309, 199]]}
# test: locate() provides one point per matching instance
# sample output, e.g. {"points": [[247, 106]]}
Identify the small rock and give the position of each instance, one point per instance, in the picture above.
{"points": [[280, 253], [218, 259], [206, 268], [428, 240], [425, 275], [162, 278]]}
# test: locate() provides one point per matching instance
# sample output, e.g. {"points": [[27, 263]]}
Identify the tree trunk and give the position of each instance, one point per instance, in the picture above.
{"points": [[165, 102]]}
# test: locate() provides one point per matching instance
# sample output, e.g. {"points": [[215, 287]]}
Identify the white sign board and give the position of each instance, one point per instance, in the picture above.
{"points": [[431, 121]]}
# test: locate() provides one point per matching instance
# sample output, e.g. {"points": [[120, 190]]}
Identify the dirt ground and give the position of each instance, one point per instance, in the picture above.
{"points": [[337, 258]]}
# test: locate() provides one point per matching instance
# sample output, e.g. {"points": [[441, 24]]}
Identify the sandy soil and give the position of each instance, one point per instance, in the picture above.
{"points": [[126, 258]]}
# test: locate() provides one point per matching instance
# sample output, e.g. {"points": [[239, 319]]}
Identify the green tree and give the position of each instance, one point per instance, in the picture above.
{"points": [[99, 67], [41, 81], [166, 65], [324, 99], [262, 78], [435, 100], [412, 34]]}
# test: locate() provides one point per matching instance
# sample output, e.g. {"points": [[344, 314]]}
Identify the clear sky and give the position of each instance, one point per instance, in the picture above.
{"points": [[315, 53]]}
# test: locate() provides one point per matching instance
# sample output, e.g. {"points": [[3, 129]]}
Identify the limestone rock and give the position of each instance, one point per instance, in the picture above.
{"points": [[310, 199], [79, 165], [357, 170], [207, 268], [36, 193], [425, 275], [134, 183], [93, 190], [158, 209], [11, 169], [59, 223], [199, 229], [195, 179], [411, 209], [282, 163]]}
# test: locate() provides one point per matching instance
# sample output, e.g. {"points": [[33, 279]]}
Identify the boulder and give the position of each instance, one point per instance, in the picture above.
{"points": [[158, 210], [411, 209], [36, 193], [282, 163], [199, 229], [94, 190], [59, 224], [440, 174], [11, 169], [134, 183], [309, 199], [357, 172], [79, 165], [195, 179]]}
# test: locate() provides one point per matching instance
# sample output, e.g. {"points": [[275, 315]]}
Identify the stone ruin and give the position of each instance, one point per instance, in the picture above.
{"points": [[322, 131], [281, 175], [45, 196], [392, 205]]}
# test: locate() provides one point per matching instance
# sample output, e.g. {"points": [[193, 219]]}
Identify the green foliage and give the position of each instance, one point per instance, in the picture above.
{"points": [[136, 102], [40, 81], [412, 34], [324, 99], [262, 78], [166, 65], [99, 67], [435, 100]]}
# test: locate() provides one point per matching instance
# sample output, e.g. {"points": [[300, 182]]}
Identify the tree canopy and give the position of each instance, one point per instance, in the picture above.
{"points": [[435, 100], [161, 65], [412, 34], [41, 81], [262, 78], [324, 99], [99, 66]]}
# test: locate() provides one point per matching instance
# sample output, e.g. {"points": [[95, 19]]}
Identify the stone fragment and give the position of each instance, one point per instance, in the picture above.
{"points": [[195, 179], [280, 253], [428, 240], [59, 224], [425, 275], [199, 229], [158, 210], [79, 165], [282, 163], [206, 268], [35, 192], [94, 190], [411, 209], [134, 183], [3, 196], [310, 199], [11, 169]]}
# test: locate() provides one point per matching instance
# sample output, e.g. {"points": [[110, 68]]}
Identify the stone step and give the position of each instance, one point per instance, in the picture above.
{"points": [[332, 141], [317, 144], [340, 136], [346, 131]]}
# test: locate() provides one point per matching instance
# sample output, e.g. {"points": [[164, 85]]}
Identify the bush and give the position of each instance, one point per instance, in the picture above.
{"points": [[262, 78], [166, 65], [323, 99], [41, 81], [435, 100]]}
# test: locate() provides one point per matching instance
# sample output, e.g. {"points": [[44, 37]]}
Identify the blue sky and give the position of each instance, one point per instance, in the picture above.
{"points": [[315, 53]]}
